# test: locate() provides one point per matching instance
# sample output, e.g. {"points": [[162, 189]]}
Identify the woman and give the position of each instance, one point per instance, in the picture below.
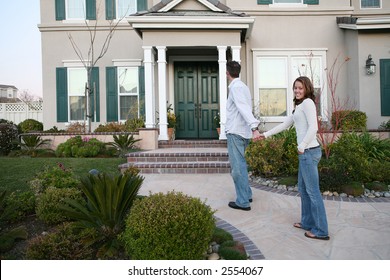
{"points": [[304, 118]]}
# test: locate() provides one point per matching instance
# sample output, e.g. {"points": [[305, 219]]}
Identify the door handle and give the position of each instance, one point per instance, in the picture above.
{"points": [[200, 110]]}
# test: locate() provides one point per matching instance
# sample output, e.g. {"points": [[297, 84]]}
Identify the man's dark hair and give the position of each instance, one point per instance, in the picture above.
{"points": [[234, 68]]}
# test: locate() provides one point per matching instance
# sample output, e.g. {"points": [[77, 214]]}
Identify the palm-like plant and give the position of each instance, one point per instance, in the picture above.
{"points": [[109, 199], [32, 143], [123, 143]]}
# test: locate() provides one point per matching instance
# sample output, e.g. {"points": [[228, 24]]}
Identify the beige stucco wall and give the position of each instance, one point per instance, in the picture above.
{"points": [[313, 26]]}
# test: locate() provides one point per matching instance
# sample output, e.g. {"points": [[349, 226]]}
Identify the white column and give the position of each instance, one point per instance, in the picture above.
{"points": [[162, 92], [236, 53], [222, 88], [149, 103]]}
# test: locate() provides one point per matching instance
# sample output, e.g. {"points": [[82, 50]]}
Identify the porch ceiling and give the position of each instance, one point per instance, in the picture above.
{"points": [[192, 20]]}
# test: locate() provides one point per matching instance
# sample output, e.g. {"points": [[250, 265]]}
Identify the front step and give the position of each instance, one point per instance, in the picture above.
{"points": [[182, 157]]}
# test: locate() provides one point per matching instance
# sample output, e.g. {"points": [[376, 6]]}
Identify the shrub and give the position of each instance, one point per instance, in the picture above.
{"points": [[30, 125], [290, 148], [22, 205], [132, 125], [170, 226], [81, 147], [349, 120], [63, 244], [32, 143], [377, 186], [8, 138], [220, 235], [76, 127], [232, 250], [353, 188], [265, 158], [332, 177], [110, 127], [109, 199], [385, 125], [48, 204], [57, 176], [124, 143]]}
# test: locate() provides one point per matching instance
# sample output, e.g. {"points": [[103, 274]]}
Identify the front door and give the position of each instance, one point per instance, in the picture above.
{"points": [[196, 99]]}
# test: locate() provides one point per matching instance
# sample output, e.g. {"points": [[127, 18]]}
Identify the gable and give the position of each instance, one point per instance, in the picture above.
{"points": [[189, 5]]}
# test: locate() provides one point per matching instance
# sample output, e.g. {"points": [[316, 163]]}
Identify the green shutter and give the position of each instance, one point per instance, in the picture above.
{"points": [[141, 85], [141, 5], [91, 9], [95, 86], [110, 9], [62, 94], [311, 2], [264, 2], [385, 86], [60, 9], [112, 94]]}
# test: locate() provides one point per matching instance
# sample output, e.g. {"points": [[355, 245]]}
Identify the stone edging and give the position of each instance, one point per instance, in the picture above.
{"points": [[331, 198], [250, 248]]}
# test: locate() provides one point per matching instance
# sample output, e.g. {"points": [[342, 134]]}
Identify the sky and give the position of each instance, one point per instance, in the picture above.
{"points": [[20, 46]]}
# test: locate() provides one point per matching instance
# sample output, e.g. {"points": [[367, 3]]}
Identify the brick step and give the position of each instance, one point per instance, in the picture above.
{"points": [[165, 157], [180, 167], [193, 144]]}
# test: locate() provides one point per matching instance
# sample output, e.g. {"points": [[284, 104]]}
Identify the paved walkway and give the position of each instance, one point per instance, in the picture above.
{"points": [[358, 230]]}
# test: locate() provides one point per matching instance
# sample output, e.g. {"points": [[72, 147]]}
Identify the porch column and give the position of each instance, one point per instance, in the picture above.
{"points": [[162, 92], [222, 88], [149, 101], [236, 53]]}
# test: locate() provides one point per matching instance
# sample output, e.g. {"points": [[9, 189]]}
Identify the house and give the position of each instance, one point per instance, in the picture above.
{"points": [[8, 94], [175, 52]]}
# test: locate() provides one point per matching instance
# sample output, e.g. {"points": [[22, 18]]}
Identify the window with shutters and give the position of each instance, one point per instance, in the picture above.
{"points": [[118, 9], [275, 72], [287, 2], [126, 7], [366, 4], [77, 78], [75, 9], [128, 93]]}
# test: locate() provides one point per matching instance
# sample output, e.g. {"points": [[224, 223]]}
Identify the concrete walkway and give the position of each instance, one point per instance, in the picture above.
{"points": [[358, 231]]}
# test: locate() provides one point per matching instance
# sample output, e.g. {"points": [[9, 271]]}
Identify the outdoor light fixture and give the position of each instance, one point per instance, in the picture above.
{"points": [[370, 66]]}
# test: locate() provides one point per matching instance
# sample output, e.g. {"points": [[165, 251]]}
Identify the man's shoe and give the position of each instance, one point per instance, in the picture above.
{"points": [[233, 205]]}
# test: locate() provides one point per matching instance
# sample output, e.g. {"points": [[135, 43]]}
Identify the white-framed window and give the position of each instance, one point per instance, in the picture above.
{"points": [[128, 93], [75, 9], [288, 1], [77, 78], [125, 7], [370, 4], [274, 74]]}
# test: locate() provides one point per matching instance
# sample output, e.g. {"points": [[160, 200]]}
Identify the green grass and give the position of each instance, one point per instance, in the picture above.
{"points": [[16, 172]]}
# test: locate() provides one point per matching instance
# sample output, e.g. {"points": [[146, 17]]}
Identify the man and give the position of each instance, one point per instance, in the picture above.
{"points": [[240, 126]]}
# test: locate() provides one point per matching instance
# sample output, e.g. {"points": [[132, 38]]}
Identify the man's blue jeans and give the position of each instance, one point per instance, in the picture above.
{"points": [[313, 215], [239, 170]]}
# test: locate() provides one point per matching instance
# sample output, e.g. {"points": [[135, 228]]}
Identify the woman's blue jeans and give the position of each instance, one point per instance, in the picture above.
{"points": [[239, 170], [313, 215]]}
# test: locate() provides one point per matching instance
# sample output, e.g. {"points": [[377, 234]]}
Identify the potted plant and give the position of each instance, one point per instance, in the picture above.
{"points": [[172, 122], [217, 122]]}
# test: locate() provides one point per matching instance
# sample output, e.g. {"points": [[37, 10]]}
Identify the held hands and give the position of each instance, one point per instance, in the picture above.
{"points": [[257, 136]]}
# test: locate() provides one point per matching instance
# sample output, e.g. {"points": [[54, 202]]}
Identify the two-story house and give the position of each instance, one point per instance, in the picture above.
{"points": [[175, 52]]}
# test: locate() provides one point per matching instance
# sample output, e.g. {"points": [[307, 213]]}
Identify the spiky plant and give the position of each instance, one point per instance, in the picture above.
{"points": [[109, 199]]}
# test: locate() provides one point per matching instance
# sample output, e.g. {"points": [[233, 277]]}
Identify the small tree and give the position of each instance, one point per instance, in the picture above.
{"points": [[90, 59], [326, 134]]}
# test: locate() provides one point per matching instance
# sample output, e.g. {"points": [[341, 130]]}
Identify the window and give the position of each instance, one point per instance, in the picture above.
{"points": [[126, 7], [75, 9], [128, 93], [275, 72], [77, 78], [287, 2], [117, 9], [370, 3]]}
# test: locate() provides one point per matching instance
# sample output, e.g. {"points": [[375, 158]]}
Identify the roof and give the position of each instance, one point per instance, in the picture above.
{"points": [[8, 86]]}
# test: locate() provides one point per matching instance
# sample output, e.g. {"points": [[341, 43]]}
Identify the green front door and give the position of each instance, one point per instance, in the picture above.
{"points": [[196, 99]]}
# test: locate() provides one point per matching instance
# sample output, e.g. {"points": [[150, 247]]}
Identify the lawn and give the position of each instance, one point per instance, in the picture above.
{"points": [[16, 172]]}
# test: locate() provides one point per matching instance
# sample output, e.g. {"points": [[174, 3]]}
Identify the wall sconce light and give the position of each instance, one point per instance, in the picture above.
{"points": [[370, 66]]}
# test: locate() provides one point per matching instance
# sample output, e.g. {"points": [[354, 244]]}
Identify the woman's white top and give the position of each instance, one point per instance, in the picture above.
{"points": [[305, 122]]}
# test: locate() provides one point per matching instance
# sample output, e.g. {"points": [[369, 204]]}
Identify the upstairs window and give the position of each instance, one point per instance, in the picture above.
{"points": [[365, 4], [75, 9], [287, 2], [117, 9]]}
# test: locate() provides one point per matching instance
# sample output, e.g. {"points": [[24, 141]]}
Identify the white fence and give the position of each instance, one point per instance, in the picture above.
{"points": [[18, 112]]}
